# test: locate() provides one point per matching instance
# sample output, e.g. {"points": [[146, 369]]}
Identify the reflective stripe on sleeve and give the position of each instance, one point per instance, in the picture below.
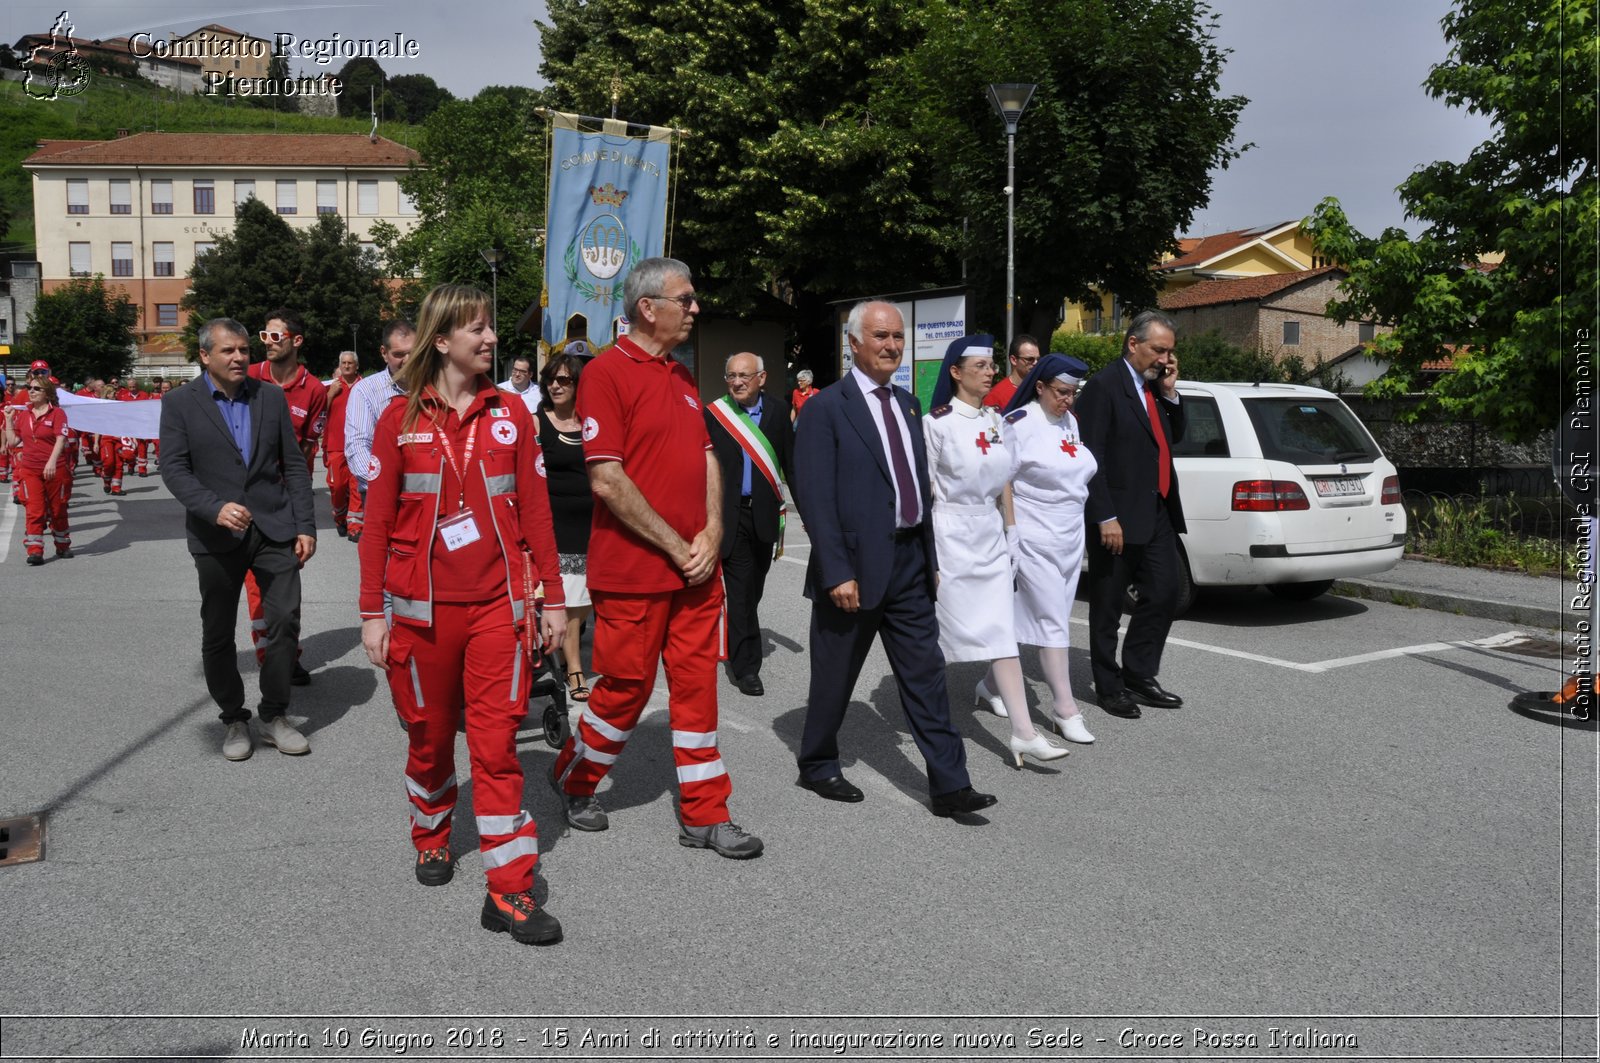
{"points": [[421, 483], [500, 485], [701, 772], [412, 609], [501, 855]]}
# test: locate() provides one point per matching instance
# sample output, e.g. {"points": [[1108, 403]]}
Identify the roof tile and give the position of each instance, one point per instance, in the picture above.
{"points": [[1240, 290], [226, 149]]}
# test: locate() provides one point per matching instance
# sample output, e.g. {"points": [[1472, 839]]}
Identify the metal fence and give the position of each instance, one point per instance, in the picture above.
{"points": [[1541, 518]]}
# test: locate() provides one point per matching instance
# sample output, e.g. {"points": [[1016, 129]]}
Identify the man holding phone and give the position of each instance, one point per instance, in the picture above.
{"points": [[1130, 416]]}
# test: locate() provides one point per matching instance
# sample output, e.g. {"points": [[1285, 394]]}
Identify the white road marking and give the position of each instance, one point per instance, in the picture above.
{"points": [[1505, 638], [7, 519]]}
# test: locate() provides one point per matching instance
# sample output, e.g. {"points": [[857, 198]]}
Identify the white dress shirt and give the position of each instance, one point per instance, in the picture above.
{"points": [[868, 388]]}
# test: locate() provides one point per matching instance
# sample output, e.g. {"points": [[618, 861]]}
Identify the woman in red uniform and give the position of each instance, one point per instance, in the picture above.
{"points": [[37, 436], [458, 533]]}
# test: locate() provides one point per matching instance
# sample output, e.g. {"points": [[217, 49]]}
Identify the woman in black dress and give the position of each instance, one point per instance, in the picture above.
{"points": [[571, 504]]}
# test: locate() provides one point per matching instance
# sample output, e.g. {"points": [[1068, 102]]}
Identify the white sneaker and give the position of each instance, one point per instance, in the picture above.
{"points": [[237, 744], [279, 732], [1073, 730]]}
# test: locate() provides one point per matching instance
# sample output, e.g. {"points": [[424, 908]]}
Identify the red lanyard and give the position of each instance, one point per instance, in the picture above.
{"points": [[450, 456]]}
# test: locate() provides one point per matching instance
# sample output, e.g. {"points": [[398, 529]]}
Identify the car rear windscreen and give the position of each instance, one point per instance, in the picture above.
{"points": [[1309, 431]]}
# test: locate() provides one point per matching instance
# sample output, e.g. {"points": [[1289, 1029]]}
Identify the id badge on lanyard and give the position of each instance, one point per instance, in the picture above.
{"points": [[461, 529]]}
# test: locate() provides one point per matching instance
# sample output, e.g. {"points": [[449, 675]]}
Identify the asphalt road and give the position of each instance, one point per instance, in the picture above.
{"points": [[1344, 836]]}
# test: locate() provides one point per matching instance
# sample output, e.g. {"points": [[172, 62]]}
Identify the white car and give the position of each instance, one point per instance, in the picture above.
{"points": [[1283, 486]]}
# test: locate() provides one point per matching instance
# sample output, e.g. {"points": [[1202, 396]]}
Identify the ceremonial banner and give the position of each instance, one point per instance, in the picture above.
{"points": [[138, 418], [607, 209]]}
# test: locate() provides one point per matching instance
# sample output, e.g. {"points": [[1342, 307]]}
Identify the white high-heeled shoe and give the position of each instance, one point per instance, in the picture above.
{"points": [[990, 699], [1038, 747], [1072, 728]]}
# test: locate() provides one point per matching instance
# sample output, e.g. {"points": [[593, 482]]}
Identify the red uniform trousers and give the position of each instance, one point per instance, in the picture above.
{"points": [[469, 663], [342, 493], [631, 633], [5, 466], [111, 463], [142, 458], [45, 502]]}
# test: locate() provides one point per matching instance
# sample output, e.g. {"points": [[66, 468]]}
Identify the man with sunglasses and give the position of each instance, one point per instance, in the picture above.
{"points": [[1023, 355], [283, 336]]}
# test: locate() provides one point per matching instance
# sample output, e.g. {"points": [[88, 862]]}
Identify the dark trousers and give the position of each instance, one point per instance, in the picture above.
{"points": [[221, 578], [1154, 567], [744, 577], [906, 624]]}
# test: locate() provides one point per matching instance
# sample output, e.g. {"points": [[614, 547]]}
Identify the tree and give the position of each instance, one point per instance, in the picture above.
{"points": [[416, 97], [277, 73], [82, 329], [358, 76], [1529, 194], [321, 272]]}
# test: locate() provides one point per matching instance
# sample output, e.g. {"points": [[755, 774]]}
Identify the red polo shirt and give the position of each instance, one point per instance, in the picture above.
{"points": [[333, 440], [645, 413], [308, 401], [1000, 394], [37, 437]]}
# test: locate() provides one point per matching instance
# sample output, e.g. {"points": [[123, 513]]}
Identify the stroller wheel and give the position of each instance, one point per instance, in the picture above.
{"points": [[556, 728]]}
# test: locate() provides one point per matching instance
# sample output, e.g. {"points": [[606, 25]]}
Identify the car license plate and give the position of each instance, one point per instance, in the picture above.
{"points": [[1339, 486]]}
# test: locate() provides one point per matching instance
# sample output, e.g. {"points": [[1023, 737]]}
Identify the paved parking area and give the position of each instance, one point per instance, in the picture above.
{"points": [[1344, 834]]}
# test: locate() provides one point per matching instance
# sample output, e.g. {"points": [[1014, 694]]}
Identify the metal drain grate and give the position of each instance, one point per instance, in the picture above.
{"points": [[1531, 647], [21, 840]]}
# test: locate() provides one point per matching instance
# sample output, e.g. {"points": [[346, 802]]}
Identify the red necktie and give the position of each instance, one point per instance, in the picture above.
{"points": [[905, 483], [1164, 477]]}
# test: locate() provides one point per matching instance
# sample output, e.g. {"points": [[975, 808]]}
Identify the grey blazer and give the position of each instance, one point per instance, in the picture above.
{"points": [[202, 467]]}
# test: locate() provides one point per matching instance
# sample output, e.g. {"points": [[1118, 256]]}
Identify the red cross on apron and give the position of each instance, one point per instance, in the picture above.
{"points": [[983, 443]]}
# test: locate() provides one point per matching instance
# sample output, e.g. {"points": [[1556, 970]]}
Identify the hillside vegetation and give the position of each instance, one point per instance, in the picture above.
{"points": [[110, 104]]}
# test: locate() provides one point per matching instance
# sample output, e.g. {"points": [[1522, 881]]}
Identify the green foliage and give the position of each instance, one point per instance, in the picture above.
{"points": [[278, 71], [1206, 356], [359, 76], [1472, 531], [82, 329], [1530, 193], [320, 272], [482, 186], [416, 97], [1095, 350]]}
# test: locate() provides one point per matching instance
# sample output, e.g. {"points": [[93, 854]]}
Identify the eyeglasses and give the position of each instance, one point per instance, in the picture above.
{"points": [[35, 387], [273, 336], [732, 377], [1025, 361], [1062, 392], [685, 301], [564, 381]]}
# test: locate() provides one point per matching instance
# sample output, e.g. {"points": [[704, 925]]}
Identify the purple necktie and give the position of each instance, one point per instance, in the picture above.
{"points": [[905, 484]]}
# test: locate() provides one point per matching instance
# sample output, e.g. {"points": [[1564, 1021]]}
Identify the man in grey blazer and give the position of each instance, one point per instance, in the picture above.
{"points": [[229, 455]]}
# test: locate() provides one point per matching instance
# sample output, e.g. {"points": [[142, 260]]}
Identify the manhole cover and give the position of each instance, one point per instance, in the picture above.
{"points": [[21, 840]]}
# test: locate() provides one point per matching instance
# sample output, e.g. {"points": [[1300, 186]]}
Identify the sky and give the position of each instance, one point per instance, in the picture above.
{"points": [[1335, 86]]}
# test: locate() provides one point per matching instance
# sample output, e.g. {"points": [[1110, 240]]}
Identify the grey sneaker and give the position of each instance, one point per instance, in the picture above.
{"points": [[582, 813], [237, 744], [727, 839], [279, 732]]}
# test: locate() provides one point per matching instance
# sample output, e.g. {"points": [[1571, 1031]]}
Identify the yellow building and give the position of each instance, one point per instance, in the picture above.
{"points": [[225, 51], [141, 209], [1280, 248]]}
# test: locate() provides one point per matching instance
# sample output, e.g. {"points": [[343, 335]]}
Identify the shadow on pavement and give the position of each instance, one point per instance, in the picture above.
{"points": [[1257, 607], [108, 765]]}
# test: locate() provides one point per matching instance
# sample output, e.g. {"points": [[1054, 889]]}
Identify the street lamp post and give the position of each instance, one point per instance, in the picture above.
{"points": [[494, 256], [1009, 101]]}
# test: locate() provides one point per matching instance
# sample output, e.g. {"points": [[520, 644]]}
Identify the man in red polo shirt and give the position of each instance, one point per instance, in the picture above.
{"points": [[1023, 354], [283, 335], [653, 564]]}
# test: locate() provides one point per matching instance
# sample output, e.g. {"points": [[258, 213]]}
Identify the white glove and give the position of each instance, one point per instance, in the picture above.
{"points": [[1014, 547]]}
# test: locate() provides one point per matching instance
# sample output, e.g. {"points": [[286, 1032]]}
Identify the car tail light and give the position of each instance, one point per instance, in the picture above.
{"points": [[1391, 491], [1268, 496]]}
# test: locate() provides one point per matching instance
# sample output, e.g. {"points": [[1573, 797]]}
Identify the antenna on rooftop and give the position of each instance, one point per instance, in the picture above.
{"points": [[372, 102]]}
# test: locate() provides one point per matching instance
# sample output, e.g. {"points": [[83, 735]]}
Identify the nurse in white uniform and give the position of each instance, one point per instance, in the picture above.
{"points": [[1050, 471], [969, 469]]}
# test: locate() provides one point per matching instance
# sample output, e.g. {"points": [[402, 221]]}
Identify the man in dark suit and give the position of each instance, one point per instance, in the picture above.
{"points": [[229, 455], [1130, 417], [753, 439], [861, 482]]}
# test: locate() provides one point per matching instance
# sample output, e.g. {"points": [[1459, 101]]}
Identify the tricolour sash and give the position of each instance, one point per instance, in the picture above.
{"points": [[758, 449]]}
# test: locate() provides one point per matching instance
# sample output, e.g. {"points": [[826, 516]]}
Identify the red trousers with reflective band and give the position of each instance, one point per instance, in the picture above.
{"points": [[45, 502], [342, 493], [468, 663], [258, 619], [111, 461], [632, 632]]}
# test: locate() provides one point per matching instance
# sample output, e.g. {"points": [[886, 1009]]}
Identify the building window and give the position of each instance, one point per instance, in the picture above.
{"points": [[121, 197], [202, 247], [1291, 333], [369, 247], [1366, 332], [366, 197], [160, 197], [408, 206], [163, 258], [5, 331], [327, 197], [122, 260], [205, 198], [166, 315], [78, 197], [78, 258], [288, 198], [243, 190]]}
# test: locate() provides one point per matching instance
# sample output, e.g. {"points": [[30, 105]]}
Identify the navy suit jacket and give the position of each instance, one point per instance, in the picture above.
{"points": [[202, 466], [844, 489], [1116, 428]]}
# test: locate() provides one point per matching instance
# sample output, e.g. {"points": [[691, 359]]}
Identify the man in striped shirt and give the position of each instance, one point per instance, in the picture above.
{"points": [[366, 402]]}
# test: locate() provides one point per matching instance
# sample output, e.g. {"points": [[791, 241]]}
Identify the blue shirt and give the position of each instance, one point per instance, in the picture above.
{"points": [[755, 415], [236, 415]]}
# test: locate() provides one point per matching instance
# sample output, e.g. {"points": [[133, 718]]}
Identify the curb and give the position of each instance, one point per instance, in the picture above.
{"points": [[1461, 605]]}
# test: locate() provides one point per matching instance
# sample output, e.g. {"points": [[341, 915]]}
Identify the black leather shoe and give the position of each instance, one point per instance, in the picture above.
{"points": [[834, 788], [962, 802], [1150, 692], [299, 677], [1121, 704], [750, 684]]}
